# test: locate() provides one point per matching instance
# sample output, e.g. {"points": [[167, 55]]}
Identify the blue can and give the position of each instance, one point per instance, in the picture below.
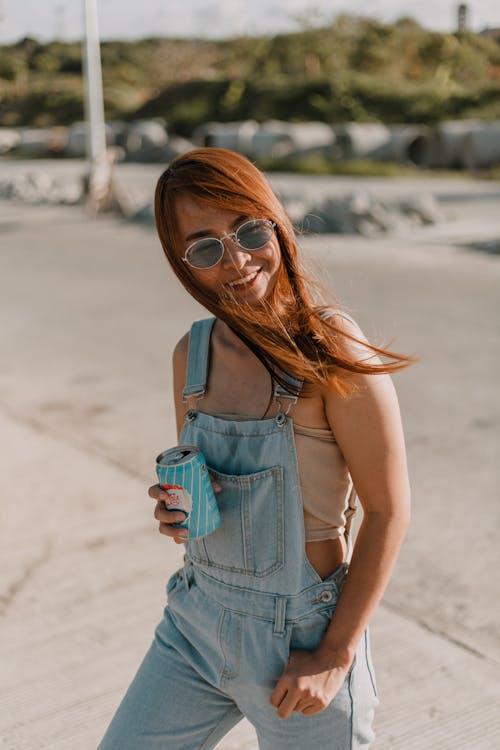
{"points": [[182, 472]]}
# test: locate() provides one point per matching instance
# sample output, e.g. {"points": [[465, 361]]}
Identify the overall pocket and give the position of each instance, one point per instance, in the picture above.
{"points": [[174, 584], [250, 539]]}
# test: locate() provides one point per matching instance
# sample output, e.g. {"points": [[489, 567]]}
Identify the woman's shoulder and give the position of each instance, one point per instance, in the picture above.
{"points": [[358, 348], [340, 318], [181, 348], [345, 323]]}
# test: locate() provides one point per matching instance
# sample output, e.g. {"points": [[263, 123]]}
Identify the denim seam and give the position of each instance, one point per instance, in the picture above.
{"points": [[351, 715], [271, 594], [228, 673], [241, 433], [246, 478], [251, 574], [369, 666], [233, 710], [271, 618], [246, 529], [220, 641]]}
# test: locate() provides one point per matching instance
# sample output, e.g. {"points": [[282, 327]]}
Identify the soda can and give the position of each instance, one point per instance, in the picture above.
{"points": [[182, 472]]}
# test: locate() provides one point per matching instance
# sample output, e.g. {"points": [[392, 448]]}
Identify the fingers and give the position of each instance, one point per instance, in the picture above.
{"points": [[306, 707], [178, 535], [288, 700], [157, 493], [286, 707], [278, 696], [216, 486], [167, 517]]}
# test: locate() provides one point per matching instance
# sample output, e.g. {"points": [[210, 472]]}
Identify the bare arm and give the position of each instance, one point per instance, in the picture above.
{"points": [[369, 432], [368, 429], [179, 366]]}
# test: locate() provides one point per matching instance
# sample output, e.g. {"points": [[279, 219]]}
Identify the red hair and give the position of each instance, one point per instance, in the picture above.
{"points": [[288, 331]]}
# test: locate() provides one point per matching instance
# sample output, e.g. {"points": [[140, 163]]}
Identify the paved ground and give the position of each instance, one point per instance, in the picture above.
{"points": [[89, 314]]}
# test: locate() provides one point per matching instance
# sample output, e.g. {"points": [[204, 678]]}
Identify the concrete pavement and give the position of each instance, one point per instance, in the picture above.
{"points": [[90, 312]]}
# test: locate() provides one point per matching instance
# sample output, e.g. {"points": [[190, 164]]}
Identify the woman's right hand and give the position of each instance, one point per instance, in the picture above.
{"points": [[168, 517]]}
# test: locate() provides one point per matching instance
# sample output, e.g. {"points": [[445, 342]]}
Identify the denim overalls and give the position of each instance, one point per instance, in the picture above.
{"points": [[246, 595]]}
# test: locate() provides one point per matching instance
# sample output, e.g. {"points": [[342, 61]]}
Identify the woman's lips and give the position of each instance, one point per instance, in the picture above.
{"points": [[245, 282]]}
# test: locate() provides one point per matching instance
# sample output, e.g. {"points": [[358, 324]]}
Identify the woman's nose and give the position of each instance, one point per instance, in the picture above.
{"points": [[234, 254]]}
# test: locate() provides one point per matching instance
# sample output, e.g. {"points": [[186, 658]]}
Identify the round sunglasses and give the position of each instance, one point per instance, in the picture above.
{"points": [[207, 252]]}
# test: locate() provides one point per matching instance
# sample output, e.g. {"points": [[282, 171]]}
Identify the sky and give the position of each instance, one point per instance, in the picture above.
{"points": [[125, 19]]}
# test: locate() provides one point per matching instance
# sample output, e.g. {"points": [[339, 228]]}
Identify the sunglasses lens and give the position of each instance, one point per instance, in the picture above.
{"points": [[205, 253], [253, 235]]}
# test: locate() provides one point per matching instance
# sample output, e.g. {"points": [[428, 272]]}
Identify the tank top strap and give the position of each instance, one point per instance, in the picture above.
{"points": [[198, 359], [331, 312]]}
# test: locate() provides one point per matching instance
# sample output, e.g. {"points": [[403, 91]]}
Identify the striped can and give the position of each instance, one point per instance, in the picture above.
{"points": [[182, 472]]}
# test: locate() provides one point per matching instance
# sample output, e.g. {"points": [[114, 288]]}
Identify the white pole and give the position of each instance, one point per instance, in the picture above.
{"points": [[100, 174], [94, 107]]}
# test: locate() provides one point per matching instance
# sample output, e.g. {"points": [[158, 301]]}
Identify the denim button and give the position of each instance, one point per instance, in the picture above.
{"points": [[280, 419], [190, 415], [326, 596]]}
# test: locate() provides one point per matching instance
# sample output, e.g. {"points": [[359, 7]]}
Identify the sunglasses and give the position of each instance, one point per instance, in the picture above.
{"points": [[251, 235]]}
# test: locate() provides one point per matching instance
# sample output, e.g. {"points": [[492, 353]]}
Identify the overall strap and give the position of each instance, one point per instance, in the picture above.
{"points": [[198, 356], [331, 313], [280, 392]]}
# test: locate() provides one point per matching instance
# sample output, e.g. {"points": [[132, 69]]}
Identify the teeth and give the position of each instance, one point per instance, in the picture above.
{"points": [[245, 280]]}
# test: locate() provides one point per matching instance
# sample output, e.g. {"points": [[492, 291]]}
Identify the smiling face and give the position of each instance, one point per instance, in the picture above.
{"points": [[246, 275]]}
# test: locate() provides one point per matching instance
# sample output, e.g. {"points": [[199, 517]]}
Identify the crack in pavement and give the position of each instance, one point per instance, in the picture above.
{"points": [[15, 588], [69, 439], [399, 610]]}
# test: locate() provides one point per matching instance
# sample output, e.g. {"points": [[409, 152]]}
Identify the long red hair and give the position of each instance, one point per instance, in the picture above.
{"points": [[289, 332]]}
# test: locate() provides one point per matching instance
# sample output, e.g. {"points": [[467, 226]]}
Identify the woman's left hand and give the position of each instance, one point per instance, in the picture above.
{"points": [[308, 685]]}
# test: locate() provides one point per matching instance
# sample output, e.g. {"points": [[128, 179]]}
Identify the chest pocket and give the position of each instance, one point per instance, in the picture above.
{"points": [[250, 538]]}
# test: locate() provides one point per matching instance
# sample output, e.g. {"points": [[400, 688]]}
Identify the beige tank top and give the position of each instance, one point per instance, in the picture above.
{"points": [[325, 482]]}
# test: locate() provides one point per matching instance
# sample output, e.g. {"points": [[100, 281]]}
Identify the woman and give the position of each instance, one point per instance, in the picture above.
{"points": [[292, 408]]}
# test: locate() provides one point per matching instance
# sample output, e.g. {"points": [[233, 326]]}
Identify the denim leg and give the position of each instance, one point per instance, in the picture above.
{"points": [[346, 724], [168, 706]]}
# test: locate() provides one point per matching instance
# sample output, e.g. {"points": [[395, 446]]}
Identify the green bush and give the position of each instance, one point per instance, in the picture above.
{"points": [[352, 69], [10, 66]]}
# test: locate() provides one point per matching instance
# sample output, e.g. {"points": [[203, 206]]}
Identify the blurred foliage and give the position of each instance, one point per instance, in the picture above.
{"points": [[321, 165], [353, 69]]}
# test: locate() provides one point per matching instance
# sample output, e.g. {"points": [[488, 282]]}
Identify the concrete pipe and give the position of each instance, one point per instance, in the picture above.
{"points": [[406, 144], [276, 138], [146, 141], [357, 140], [9, 139], [237, 136], [76, 144], [448, 147], [481, 148]]}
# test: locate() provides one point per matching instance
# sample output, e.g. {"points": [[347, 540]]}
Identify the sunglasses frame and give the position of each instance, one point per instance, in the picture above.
{"points": [[220, 240]]}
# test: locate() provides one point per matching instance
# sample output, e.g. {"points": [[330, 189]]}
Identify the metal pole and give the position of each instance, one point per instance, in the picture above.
{"points": [[94, 107], [100, 165]]}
